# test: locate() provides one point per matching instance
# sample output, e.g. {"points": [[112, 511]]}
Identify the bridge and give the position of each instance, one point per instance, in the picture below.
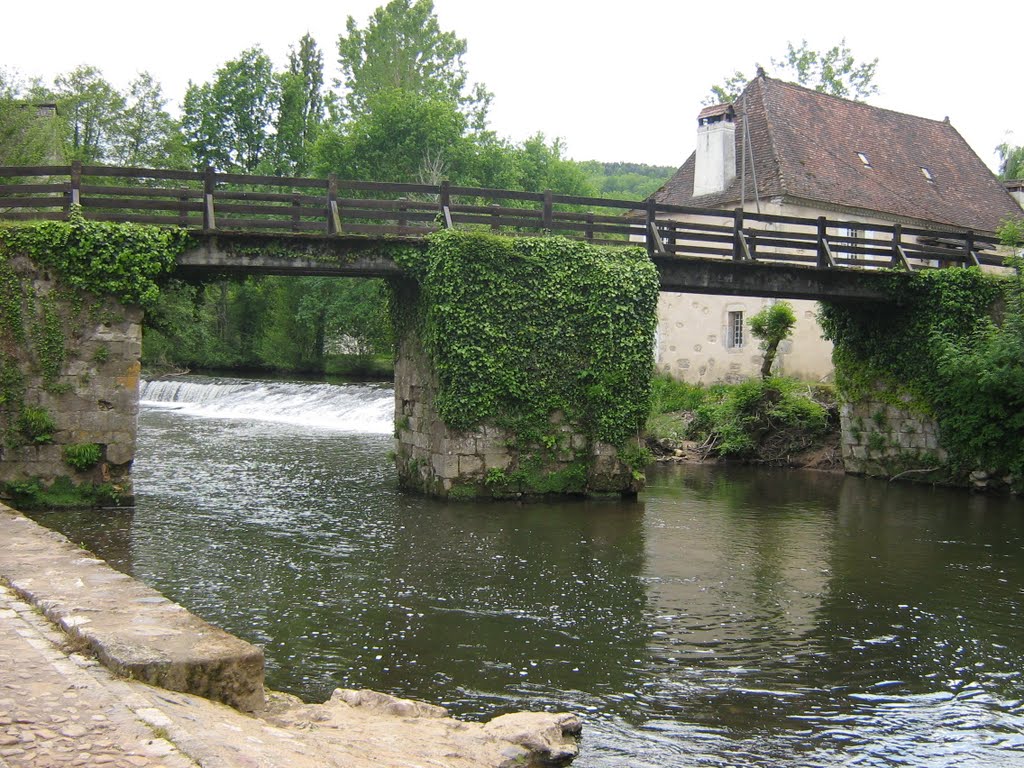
{"points": [[301, 226]]}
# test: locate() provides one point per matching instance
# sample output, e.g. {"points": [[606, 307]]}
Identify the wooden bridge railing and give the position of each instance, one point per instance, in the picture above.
{"points": [[212, 202]]}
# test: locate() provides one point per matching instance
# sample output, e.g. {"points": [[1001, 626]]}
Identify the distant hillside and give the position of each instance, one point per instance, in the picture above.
{"points": [[626, 181]]}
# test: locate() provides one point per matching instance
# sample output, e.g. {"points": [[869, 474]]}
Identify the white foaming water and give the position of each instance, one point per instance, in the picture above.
{"points": [[341, 407]]}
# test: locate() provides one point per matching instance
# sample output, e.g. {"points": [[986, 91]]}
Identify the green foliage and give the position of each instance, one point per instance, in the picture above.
{"points": [[91, 107], [36, 425], [227, 121], [626, 181], [966, 369], [833, 71], [404, 48], [771, 326], [669, 395], [1011, 161], [120, 260], [62, 493], [734, 418], [26, 138], [301, 111], [82, 456], [521, 329]]}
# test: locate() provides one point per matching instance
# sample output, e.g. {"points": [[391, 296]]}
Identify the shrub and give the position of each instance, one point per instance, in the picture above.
{"points": [[36, 425], [82, 456]]}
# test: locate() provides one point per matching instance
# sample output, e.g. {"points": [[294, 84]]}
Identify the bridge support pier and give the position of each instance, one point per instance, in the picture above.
{"points": [[69, 394], [489, 461]]}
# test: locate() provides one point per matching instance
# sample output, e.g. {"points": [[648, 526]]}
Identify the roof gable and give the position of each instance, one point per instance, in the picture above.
{"points": [[816, 147]]}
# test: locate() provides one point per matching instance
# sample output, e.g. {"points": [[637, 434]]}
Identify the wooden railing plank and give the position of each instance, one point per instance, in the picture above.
{"points": [[215, 201]]}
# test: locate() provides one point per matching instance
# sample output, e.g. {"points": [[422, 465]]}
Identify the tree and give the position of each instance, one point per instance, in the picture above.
{"points": [[227, 121], [1011, 161], [146, 135], [834, 71], [27, 137], [92, 109], [301, 112], [772, 325], [400, 134], [403, 47]]}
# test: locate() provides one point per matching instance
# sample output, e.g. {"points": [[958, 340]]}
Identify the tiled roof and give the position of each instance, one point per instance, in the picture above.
{"points": [[807, 146]]}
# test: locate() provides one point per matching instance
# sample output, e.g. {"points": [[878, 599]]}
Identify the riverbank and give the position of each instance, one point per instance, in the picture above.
{"points": [[776, 422], [60, 706]]}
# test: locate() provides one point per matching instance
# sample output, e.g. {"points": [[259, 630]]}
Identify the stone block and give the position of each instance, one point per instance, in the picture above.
{"points": [[458, 444], [445, 466], [470, 466], [497, 459]]}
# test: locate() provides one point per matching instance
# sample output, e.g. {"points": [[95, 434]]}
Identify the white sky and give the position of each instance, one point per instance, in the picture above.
{"points": [[616, 81]]}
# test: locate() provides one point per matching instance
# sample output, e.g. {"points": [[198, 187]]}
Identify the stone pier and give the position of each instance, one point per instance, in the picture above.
{"points": [[488, 461], [69, 386]]}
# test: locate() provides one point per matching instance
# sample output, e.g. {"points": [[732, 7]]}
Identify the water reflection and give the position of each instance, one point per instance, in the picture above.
{"points": [[733, 617]]}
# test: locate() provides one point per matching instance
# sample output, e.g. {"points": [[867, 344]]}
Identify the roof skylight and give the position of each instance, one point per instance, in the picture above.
{"points": [[864, 159], [928, 175]]}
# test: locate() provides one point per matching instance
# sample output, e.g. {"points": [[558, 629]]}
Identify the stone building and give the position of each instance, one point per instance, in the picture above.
{"points": [[787, 150]]}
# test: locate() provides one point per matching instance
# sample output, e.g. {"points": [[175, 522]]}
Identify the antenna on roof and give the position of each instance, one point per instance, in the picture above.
{"points": [[747, 148]]}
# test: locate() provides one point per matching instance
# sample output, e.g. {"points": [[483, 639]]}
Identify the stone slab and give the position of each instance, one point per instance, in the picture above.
{"points": [[130, 627]]}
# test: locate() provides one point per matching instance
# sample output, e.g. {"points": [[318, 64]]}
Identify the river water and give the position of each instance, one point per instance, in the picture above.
{"points": [[730, 617]]}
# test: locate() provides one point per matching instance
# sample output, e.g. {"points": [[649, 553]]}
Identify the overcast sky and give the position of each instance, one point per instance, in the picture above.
{"points": [[616, 81]]}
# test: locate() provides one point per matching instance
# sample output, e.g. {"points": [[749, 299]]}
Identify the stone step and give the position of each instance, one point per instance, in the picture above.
{"points": [[130, 627]]}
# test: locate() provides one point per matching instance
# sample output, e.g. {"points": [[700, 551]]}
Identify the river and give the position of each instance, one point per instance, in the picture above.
{"points": [[730, 617]]}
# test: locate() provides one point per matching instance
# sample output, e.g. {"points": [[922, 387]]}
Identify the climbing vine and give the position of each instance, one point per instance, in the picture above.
{"points": [[950, 344], [84, 262], [521, 329], [102, 258]]}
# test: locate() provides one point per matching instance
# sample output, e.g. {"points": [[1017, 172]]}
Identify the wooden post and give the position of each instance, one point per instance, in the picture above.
{"points": [[296, 203], [651, 231], [824, 257], [670, 240], [752, 251], [183, 210], [333, 212], [737, 235], [494, 217], [445, 202], [549, 211], [970, 257], [588, 233], [899, 256], [76, 183], [403, 207], [209, 184]]}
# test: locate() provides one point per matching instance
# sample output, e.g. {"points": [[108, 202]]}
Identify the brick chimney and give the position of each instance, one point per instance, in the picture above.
{"points": [[715, 165]]}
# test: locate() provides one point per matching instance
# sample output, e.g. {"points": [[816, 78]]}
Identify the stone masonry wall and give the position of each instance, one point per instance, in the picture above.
{"points": [[879, 438], [432, 458], [95, 397]]}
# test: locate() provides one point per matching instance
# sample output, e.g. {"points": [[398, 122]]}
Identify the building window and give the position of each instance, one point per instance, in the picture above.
{"points": [[734, 334]]}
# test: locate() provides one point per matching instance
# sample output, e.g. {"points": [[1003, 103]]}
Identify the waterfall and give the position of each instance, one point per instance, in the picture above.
{"points": [[343, 407]]}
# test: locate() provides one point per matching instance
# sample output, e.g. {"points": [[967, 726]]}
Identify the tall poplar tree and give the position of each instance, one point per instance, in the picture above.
{"points": [[301, 112], [404, 48]]}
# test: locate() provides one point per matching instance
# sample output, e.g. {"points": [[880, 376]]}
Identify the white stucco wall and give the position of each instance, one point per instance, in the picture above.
{"points": [[692, 341]]}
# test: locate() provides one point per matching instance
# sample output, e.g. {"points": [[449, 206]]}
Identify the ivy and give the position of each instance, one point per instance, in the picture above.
{"points": [[102, 258], [124, 261], [938, 349], [524, 332]]}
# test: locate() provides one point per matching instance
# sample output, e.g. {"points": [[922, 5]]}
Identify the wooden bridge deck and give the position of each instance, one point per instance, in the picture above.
{"points": [[235, 216]]}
